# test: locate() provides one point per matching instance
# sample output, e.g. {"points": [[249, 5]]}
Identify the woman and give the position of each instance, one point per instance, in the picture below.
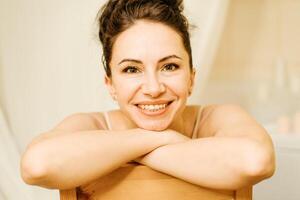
{"points": [[149, 72]]}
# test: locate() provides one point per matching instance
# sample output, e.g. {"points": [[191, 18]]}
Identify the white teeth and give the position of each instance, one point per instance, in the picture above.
{"points": [[153, 107]]}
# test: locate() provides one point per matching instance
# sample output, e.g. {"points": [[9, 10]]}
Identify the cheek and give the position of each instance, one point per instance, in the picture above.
{"points": [[126, 87], [179, 85]]}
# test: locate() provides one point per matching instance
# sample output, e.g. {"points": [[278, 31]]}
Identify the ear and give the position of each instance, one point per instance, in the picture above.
{"points": [[192, 81], [110, 86]]}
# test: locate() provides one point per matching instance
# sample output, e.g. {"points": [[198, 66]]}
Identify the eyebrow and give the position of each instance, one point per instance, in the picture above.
{"points": [[140, 62]]}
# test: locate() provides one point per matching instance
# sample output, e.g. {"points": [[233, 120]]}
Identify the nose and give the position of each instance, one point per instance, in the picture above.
{"points": [[152, 86]]}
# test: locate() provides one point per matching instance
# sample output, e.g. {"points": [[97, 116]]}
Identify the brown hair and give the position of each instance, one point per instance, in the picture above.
{"points": [[118, 15]]}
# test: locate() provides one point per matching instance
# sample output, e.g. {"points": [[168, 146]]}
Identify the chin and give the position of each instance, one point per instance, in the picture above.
{"points": [[153, 126]]}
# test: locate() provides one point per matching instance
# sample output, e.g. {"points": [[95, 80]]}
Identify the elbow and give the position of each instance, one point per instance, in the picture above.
{"points": [[33, 167], [260, 164]]}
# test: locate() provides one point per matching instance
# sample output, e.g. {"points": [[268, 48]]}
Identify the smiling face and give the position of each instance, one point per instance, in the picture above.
{"points": [[151, 78]]}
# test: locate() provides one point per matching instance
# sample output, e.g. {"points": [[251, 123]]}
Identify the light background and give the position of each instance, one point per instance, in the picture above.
{"points": [[50, 68]]}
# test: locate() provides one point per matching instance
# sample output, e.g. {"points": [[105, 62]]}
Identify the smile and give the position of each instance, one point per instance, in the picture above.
{"points": [[153, 109]]}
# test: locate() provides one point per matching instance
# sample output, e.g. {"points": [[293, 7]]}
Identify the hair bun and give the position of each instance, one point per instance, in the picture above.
{"points": [[175, 4]]}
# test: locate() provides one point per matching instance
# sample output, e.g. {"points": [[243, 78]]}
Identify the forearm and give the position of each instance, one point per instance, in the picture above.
{"points": [[69, 160], [215, 162]]}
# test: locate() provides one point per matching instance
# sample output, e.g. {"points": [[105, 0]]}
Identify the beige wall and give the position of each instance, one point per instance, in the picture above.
{"points": [[49, 63], [258, 36]]}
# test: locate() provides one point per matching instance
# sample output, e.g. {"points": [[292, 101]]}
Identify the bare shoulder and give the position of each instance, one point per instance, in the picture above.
{"points": [[82, 122], [73, 123], [226, 115], [229, 120], [217, 113]]}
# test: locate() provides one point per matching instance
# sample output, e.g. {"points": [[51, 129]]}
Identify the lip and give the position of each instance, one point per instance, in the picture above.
{"points": [[158, 102]]}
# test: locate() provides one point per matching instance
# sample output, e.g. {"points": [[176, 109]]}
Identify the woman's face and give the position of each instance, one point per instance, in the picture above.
{"points": [[151, 78]]}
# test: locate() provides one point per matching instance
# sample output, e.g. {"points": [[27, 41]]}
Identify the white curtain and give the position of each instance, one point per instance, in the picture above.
{"points": [[11, 185]]}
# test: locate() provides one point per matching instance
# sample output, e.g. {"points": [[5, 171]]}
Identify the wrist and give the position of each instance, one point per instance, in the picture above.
{"points": [[160, 138], [174, 137]]}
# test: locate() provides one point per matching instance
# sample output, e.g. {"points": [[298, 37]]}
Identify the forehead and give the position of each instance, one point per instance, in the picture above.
{"points": [[148, 40]]}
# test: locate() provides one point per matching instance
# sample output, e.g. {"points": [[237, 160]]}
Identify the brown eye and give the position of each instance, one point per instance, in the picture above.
{"points": [[131, 70], [170, 67]]}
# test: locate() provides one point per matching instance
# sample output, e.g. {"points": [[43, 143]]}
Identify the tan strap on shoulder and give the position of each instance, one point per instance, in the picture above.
{"points": [[195, 129], [106, 117]]}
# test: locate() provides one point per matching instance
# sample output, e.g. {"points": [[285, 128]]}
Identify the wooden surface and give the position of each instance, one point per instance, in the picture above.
{"points": [[68, 194], [244, 194], [136, 182]]}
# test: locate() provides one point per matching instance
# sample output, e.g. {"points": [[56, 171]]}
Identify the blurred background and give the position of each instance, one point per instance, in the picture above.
{"points": [[245, 52]]}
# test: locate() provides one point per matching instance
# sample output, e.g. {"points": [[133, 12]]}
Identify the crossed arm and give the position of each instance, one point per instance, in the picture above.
{"points": [[236, 153], [239, 154]]}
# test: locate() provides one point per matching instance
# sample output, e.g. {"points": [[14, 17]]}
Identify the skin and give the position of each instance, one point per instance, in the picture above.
{"points": [[231, 150]]}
